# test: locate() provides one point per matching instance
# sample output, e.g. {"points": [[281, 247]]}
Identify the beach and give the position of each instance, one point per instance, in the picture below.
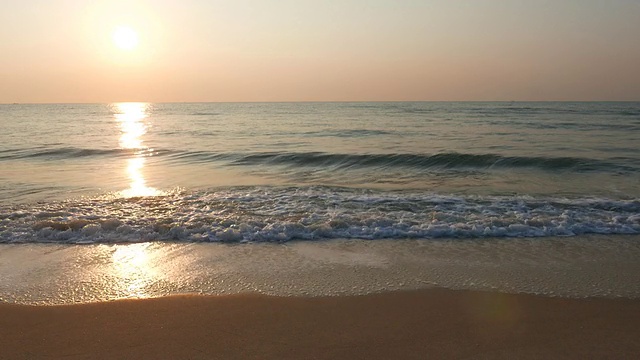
{"points": [[319, 180], [561, 298], [373, 230], [588, 266], [433, 323]]}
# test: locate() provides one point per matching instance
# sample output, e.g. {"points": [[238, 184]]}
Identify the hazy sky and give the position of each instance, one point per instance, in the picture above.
{"points": [[303, 50]]}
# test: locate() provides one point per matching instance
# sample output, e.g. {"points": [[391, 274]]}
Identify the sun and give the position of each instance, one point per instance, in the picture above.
{"points": [[125, 38]]}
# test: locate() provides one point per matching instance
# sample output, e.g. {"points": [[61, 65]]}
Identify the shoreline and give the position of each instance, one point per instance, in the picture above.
{"points": [[575, 267], [428, 323]]}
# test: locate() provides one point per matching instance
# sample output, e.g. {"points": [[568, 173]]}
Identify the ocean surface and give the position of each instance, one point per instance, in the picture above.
{"points": [[276, 172], [108, 201]]}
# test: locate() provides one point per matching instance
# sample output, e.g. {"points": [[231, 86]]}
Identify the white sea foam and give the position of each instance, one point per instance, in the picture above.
{"points": [[268, 214]]}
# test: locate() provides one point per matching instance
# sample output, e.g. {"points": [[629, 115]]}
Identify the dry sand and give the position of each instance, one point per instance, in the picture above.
{"points": [[433, 323]]}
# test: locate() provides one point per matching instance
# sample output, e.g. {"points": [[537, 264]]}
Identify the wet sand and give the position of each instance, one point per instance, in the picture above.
{"points": [[431, 323]]}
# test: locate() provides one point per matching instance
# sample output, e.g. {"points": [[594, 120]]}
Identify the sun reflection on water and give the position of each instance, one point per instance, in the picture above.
{"points": [[131, 118]]}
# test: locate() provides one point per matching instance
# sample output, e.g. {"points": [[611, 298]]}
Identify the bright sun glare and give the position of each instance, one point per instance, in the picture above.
{"points": [[125, 38]]}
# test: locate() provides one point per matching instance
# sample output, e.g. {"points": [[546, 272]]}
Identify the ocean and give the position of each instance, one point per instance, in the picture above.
{"points": [[520, 183]]}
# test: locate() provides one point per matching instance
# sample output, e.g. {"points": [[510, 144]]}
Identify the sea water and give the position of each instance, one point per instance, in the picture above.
{"points": [[462, 176]]}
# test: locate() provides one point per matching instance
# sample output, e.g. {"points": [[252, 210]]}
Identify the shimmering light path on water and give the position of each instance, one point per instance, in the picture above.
{"points": [[131, 117]]}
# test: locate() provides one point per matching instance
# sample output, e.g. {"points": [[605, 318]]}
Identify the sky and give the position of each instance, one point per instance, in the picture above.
{"points": [[344, 50]]}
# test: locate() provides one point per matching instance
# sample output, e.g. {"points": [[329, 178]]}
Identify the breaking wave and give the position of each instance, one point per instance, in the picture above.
{"points": [[277, 214]]}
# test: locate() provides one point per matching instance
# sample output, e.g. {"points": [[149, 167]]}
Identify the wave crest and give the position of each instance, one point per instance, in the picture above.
{"points": [[266, 214]]}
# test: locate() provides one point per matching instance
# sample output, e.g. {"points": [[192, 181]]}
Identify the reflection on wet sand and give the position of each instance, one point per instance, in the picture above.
{"points": [[131, 265], [61, 274]]}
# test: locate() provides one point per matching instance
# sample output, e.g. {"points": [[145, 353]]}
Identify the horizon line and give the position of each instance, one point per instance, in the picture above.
{"points": [[316, 101]]}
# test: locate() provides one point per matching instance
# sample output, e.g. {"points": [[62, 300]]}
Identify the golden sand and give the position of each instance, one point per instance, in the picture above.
{"points": [[434, 323]]}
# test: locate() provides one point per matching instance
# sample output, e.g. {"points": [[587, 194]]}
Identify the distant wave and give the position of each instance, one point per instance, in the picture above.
{"points": [[343, 161], [68, 153], [58, 153], [415, 161], [623, 109], [205, 113], [347, 133]]}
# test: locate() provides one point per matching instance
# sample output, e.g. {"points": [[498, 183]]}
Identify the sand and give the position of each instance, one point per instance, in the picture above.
{"points": [[432, 323]]}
